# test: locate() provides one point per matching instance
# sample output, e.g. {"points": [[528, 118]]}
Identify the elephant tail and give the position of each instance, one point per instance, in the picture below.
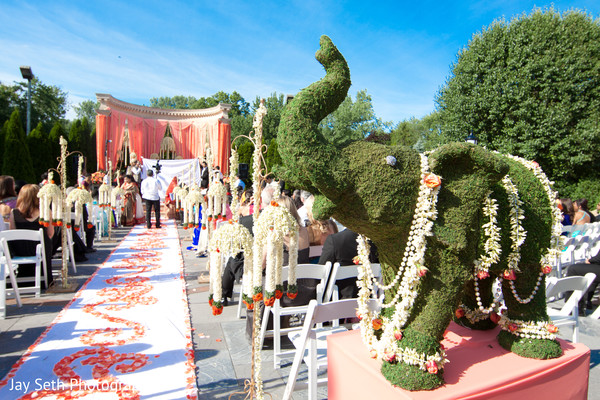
{"points": [[306, 154]]}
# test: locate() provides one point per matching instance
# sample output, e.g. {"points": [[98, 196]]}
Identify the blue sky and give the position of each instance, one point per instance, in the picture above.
{"points": [[400, 51]]}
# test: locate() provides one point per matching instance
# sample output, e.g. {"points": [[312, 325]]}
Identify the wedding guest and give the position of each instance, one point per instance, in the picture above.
{"points": [[204, 175], [26, 215], [297, 200], [130, 200], [582, 214], [592, 265], [342, 248], [170, 199], [8, 196], [150, 188], [566, 206]]}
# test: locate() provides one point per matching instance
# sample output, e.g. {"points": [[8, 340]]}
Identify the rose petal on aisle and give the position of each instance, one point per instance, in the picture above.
{"points": [[125, 335]]}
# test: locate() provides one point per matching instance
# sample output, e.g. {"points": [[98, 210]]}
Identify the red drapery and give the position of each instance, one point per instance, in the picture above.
{"points": [[145, 135]]}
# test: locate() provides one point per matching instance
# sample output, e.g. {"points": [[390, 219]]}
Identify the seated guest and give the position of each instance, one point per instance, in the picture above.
{"points": [[297, 200], [8, 196], [566, 207], [582, 214], [26, 215], [307, 200], [342, 247], [590, 265]]}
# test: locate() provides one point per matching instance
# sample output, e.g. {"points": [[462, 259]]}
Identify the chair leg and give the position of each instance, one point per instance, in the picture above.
{"points": [[13, 282], [276, 335], [38, 278], [312, 368]]}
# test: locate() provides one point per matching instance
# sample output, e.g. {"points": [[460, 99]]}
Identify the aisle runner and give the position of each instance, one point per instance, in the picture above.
{"points": [[125, 335]]}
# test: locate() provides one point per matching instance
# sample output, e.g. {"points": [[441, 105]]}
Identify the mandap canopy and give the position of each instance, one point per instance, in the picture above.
{"points": [[124, 128]]}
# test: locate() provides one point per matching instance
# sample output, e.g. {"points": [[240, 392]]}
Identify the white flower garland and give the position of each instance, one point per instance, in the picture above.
{"points": [[517, 233], [217, 200], [50, 197], [79, 197], [104, 195], [229, 240], [274, 223], [528, 329], [233, 170], [491, 247], [192, 203], [411, 270]]}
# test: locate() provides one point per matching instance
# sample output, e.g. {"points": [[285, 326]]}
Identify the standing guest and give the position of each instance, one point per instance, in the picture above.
{"points": [[204, 175], [134, 169], [307, 200], [239, 183], [582, 214], [26, 215], [218, 173], [130, 201], [170, 199], [150, 188], [8, 196]]}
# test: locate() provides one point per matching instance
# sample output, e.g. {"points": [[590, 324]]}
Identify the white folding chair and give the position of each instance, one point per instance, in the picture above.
{"points": [[311, 342], [303, 271], [339, 273], [568, 313], [6, 271], [70, 252], [39, 259]]}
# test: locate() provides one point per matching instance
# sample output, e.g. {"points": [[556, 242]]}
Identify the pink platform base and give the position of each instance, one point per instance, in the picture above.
{"points": [[478, 369]]}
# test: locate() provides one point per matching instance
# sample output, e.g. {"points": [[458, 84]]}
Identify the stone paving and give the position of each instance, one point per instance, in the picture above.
{"points": [[222, 351]]}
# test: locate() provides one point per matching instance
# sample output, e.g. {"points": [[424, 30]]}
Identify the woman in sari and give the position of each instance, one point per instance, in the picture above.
{"points": [[130, 201], [170, 199]]}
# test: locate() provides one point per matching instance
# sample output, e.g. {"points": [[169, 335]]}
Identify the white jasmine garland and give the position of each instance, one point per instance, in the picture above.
{"points": [[78, 197], [529, 329], [274, 223], [104, 195], [491, 247], [233, 170], [217, 199], [408, 277], [517, 233]]}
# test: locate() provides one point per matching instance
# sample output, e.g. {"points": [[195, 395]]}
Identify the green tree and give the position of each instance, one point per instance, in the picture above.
{"points": [[16, 161], [91, 162], [87, 109], [273, 159], [176, 102], [353, 120], [407, 133], [57, 131], [531, 87], [48, 103], [274, 105], [39, 144], [75, 137]]}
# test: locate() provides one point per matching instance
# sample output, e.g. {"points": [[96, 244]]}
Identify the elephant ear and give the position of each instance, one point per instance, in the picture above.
{"points": [[468, 173]]}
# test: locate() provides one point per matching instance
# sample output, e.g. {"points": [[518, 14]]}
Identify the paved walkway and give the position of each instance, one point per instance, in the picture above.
{"points": [[222, 351]]}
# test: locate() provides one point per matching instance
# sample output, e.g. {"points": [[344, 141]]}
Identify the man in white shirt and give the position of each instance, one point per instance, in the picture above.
{"points": [[150, 188]]}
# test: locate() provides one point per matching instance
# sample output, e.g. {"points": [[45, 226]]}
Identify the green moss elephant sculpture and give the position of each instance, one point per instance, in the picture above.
{"points": [[373, 189]]}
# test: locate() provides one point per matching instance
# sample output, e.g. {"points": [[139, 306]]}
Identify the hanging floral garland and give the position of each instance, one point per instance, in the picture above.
{"points": [[79, 197], [50, 197], [273, 224], [406, 283], [229, 240], [104, 195], [192, 205], [116, 199], [233, 170], [217, 201]]}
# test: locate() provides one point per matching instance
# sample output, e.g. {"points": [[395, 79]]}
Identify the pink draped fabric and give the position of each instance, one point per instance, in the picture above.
{"points": [[145, 135]]}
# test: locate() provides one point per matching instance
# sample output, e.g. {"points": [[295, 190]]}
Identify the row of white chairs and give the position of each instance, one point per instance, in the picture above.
{"points": [[9, 265]]}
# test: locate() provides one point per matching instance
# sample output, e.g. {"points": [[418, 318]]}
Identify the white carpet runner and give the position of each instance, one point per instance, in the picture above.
{"points": [[125, 335]]}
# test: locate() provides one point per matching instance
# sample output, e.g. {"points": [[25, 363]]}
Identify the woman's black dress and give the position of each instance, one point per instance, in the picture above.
{"points": [[27, 248]]}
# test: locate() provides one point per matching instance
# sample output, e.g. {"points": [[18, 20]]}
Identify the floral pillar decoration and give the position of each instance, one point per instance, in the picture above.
{"points": [[228, 240], [233, 170], [50, 203]]}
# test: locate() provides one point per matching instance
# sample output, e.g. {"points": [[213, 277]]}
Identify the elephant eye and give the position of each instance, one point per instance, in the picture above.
{"points": [[390, 160]]}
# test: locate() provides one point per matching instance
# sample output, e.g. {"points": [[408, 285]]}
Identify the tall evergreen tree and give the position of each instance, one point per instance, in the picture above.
{"points": [[17, 160], [54, 137], [39, 144]]}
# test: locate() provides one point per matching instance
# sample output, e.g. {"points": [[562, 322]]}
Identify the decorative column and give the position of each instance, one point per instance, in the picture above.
{"points": [[224, 145]]}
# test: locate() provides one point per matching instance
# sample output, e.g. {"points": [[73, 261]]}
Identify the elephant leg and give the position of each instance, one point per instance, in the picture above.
{"points": [[533, 311], [432, 311], [469, 313]]}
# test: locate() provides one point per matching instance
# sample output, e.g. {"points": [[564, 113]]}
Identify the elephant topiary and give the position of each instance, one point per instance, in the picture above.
{"points": [[374, 189]]}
